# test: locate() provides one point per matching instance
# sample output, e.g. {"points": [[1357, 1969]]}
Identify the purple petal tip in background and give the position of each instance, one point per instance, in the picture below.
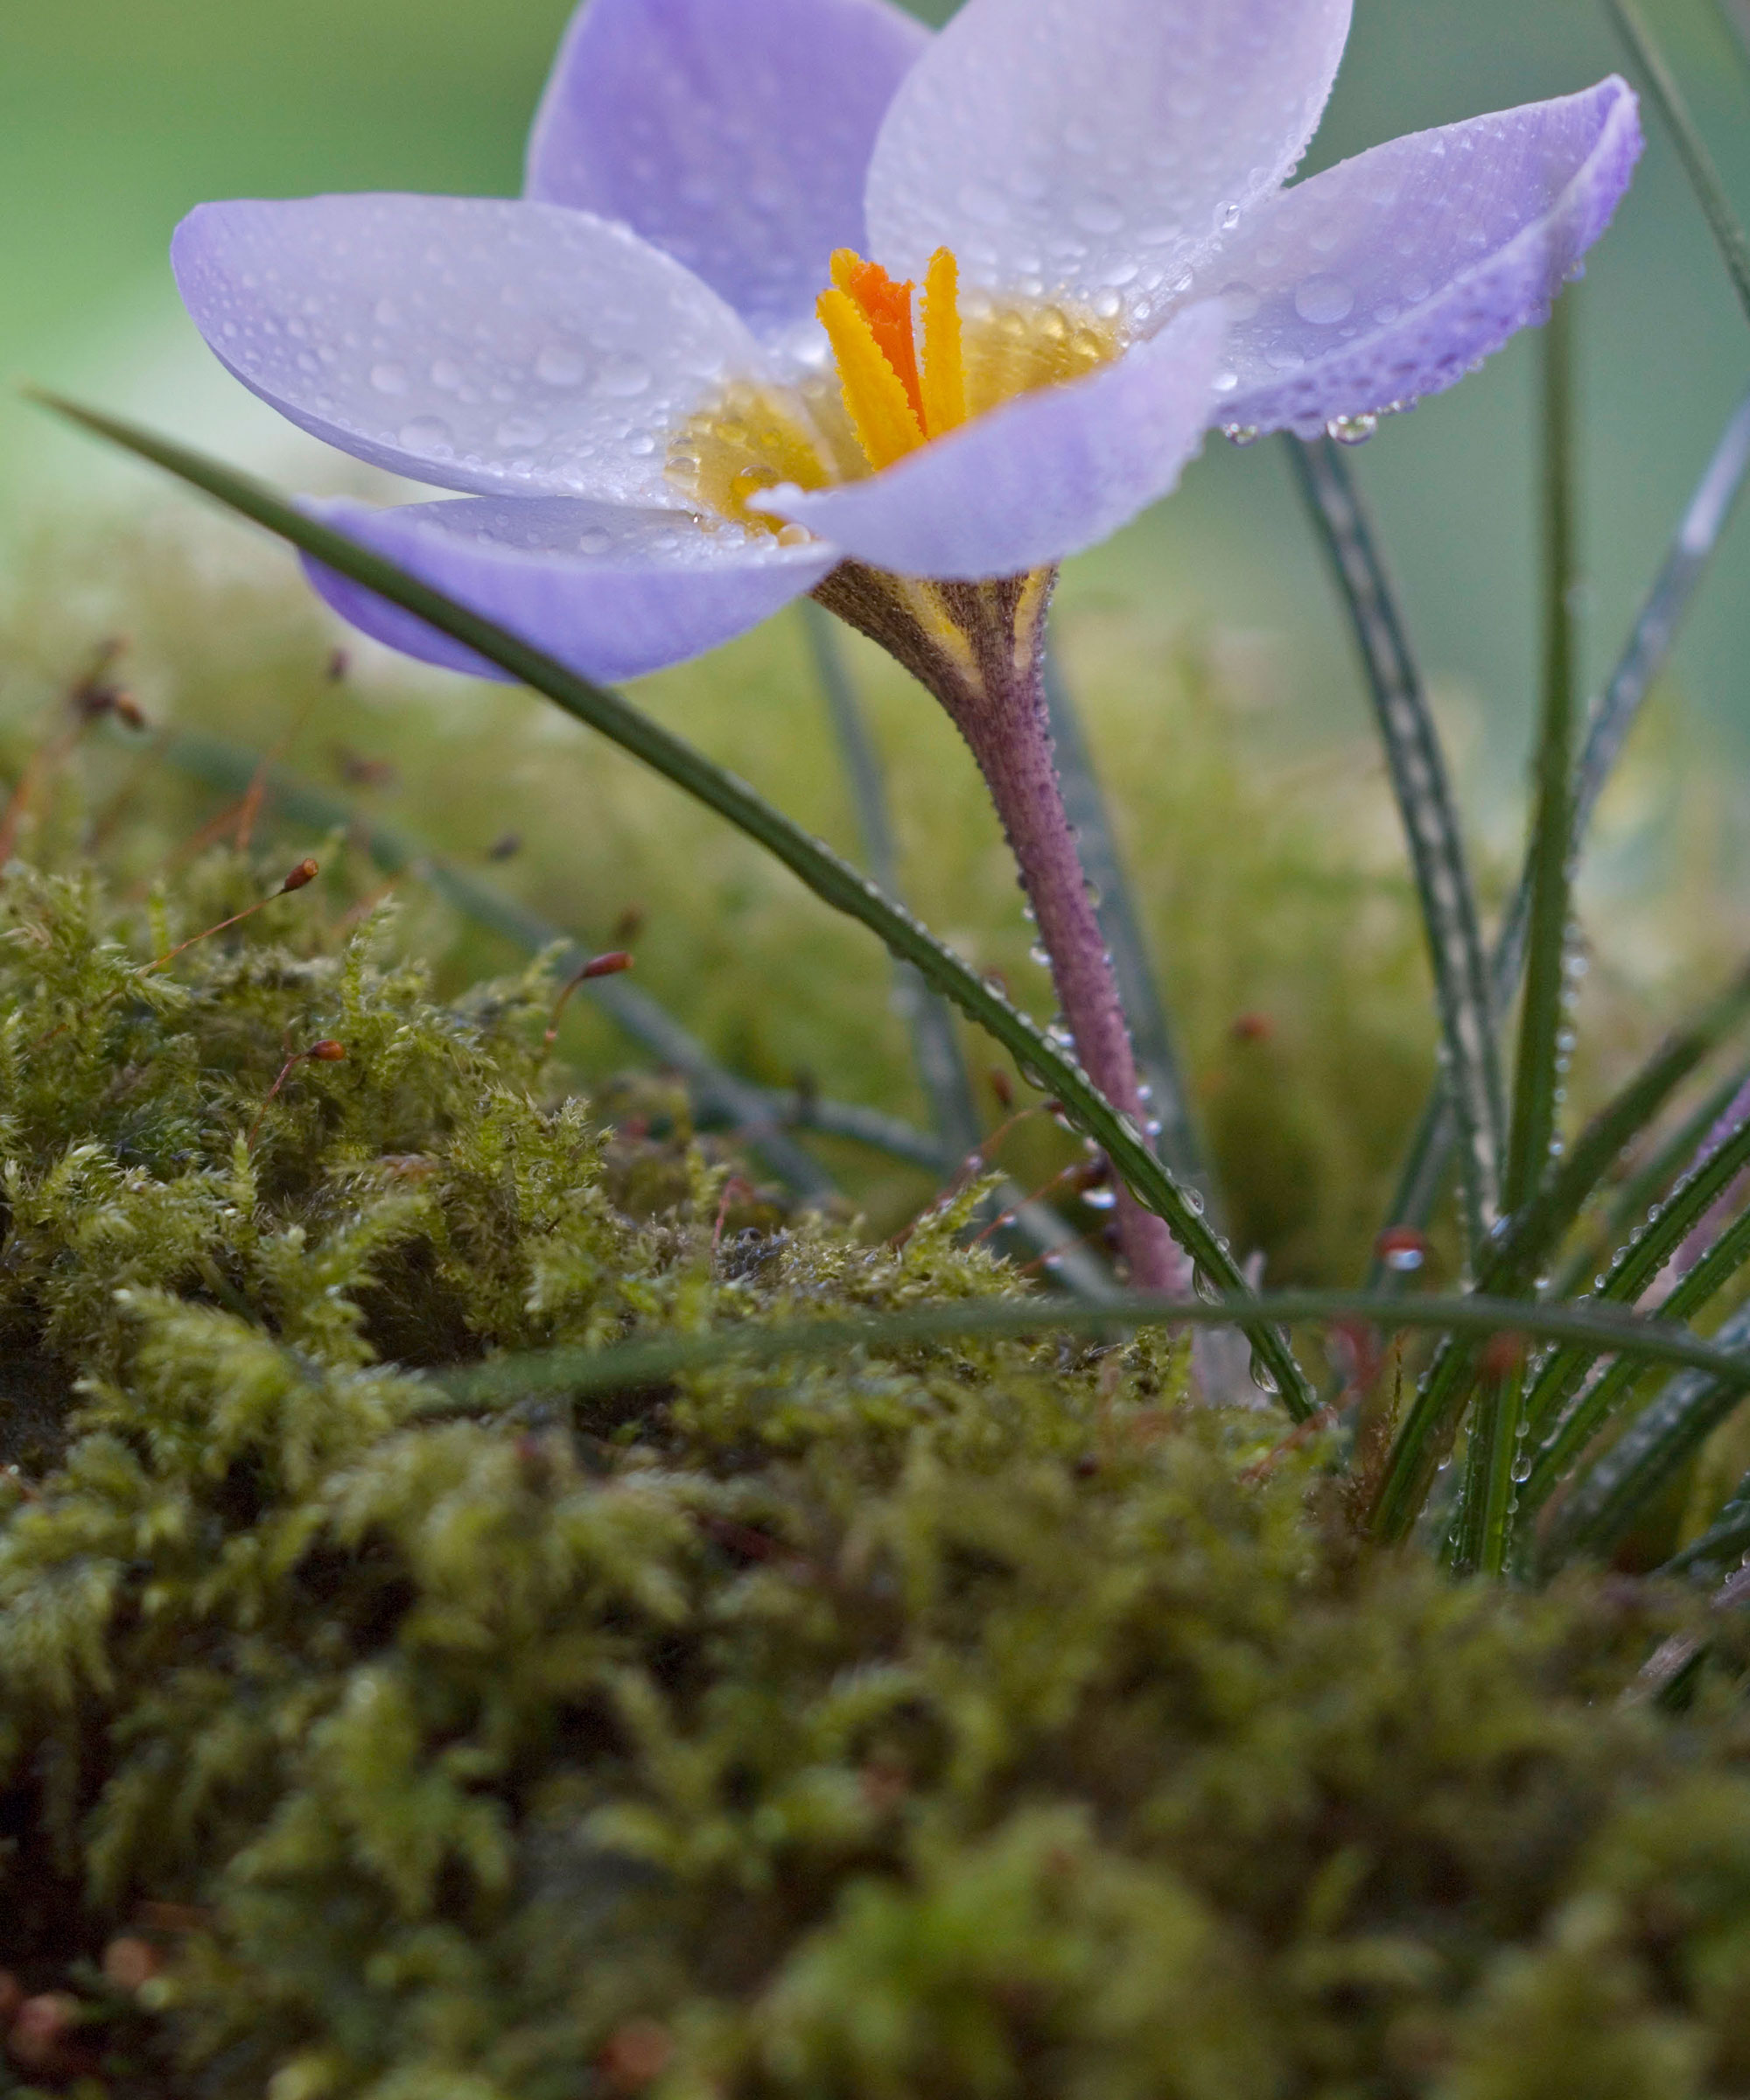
{"points": [[1390, 276], [610, 593], [733, 134]]}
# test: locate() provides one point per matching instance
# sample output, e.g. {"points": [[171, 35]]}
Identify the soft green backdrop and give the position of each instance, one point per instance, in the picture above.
{"points": [[115, 115]]}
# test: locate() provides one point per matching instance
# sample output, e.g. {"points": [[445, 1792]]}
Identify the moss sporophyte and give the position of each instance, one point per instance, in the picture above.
{"points": [[664, 428]]}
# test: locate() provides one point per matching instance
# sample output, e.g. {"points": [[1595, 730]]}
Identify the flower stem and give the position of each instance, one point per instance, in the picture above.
{"points": [[1011, 739], [980, 649]]}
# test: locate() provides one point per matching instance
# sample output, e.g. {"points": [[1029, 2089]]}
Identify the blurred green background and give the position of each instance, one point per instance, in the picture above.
{"points": [[116, 116]]}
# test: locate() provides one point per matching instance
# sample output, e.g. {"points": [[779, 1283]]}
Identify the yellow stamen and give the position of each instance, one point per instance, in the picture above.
{"points": [[880, 408], [944, 359]]}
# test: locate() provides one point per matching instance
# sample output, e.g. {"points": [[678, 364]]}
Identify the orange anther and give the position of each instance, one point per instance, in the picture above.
{"points": [[887, 307]]}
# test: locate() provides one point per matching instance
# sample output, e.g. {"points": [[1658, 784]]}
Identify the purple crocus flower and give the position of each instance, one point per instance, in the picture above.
{"points": [[1109, 170], [676, 396]]}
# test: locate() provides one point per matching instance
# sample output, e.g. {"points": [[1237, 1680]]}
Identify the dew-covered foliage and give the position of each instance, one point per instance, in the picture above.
{"points": [[969, 1720]]}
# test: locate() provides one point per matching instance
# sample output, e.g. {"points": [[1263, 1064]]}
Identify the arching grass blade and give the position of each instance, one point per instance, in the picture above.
{"points": [[1419, 777], [1530, 1239], [1645, 1186], [1150, 1034], [762, 1119], [1655, 1448], [635, 1363], [1581, 1422], [935, 1047], [1722, 1546], [1650, 646], [831, 879], [1637, 1267], [1699, 164]]}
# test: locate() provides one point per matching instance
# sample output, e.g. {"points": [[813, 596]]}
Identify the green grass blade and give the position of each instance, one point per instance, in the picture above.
{"points": [[1710, 193], [635, 1363], [1655, 1448], [935, 1046], [1419, 777], [1655, 630], [1139, 993], [1722, 1547], [1622, 1119], [765, 1121], [1638, 1265], [1536, 1078], [1481, 1514], [1704, 525], [1581, 1422], [831, 879], [1646, 1186], [1512, 1265], [1484, 1518]]}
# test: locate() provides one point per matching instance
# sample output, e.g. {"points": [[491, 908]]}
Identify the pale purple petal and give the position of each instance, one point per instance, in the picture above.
{"points": [[1388, 277], [610, 592], [735, 134], [1097, 148], [1044, 478], [474, 343]]}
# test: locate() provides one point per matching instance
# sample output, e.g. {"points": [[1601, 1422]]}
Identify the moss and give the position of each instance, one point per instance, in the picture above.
{"points": [[952, 1723]]}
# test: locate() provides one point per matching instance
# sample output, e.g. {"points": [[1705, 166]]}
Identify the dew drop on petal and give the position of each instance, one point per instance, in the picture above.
{"points": [[1324, 300], [558, 366], [389, 379], [597, 539], [427, 434], [622, 379], [520, 434], [1352, 429]]}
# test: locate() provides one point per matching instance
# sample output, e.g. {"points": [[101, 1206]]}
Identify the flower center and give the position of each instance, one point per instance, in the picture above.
{"points": [[896, 399], [894, 394]]}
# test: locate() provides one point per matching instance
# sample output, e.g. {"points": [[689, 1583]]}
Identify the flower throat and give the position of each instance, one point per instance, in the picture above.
{"points": [[894, 393]]}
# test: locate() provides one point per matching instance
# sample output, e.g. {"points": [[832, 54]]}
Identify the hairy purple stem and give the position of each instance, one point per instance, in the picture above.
{"points": [[980, 649], [1010, 738]]}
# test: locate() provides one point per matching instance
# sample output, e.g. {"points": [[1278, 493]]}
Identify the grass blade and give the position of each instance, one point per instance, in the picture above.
{"points": [[1536, 1079], [1662, 85], [635, 1363], [1484, 1514], [1721, 1547], [1651, 1452], [1472, 1076], [1646, 1185], [1650, 646], [1150, 1035], [1534, 1233], [1638, 1266], [831, 879], [1578, 1426], [761, 1119], [935, 1047]]}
